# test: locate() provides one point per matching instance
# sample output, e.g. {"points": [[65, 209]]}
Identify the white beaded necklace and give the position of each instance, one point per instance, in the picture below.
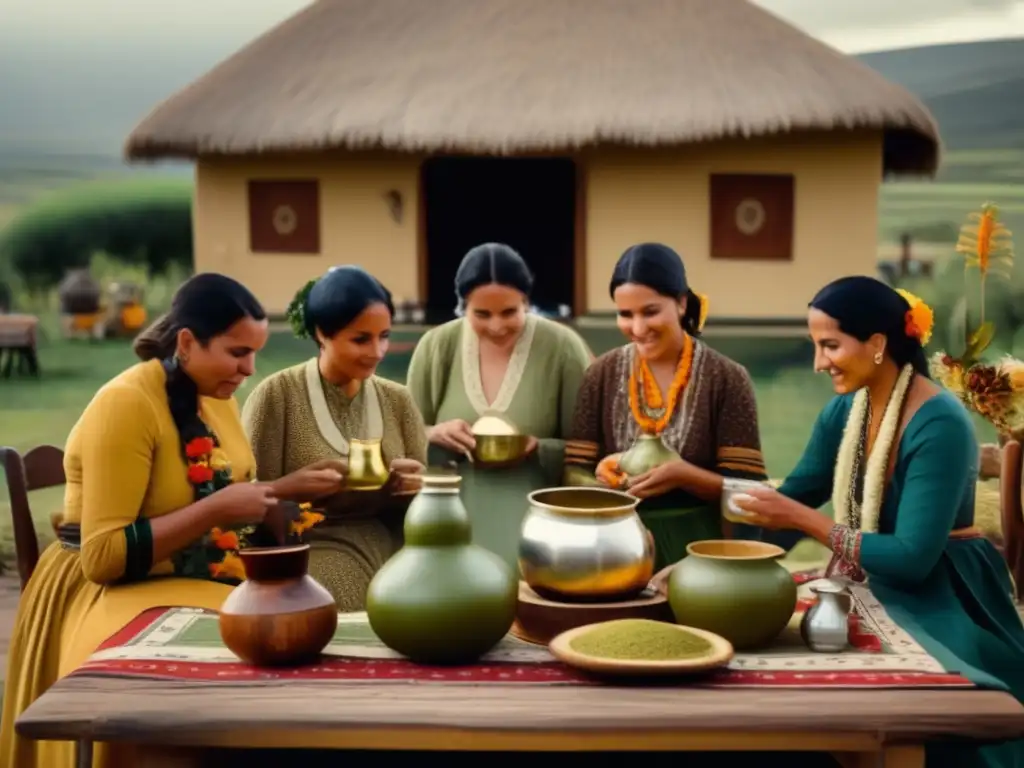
{"points": [[864, 516]]}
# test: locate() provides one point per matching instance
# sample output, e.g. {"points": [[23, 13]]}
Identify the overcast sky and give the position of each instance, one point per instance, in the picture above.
{"points": [[851, 25]]}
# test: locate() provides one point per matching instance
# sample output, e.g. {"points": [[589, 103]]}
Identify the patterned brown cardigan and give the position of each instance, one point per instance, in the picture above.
{"points": [[714, 426]]}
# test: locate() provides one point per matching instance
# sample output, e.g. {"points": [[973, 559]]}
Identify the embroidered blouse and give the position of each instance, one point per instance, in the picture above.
{"points": [[714, 425]]}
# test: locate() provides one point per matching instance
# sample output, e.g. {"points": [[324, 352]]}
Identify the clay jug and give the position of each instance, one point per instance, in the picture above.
{"points": [[279, 615], [735, 589], [647, 452], [441, 599]]}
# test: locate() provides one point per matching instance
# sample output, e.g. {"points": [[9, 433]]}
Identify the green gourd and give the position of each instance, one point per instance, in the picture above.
{"points": [[441, 599], [734, 588], [646, 453]]}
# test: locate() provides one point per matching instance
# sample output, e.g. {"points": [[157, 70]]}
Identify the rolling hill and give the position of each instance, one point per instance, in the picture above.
{"points": [[975, 90]]}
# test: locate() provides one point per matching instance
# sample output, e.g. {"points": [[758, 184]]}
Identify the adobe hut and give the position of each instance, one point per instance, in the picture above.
{"points": [[398, 133]]}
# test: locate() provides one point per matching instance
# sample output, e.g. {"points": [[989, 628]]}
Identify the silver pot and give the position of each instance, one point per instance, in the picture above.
{"points": [[584, 545]]}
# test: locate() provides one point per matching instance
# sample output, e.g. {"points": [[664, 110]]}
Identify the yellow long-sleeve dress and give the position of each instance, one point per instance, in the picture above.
{"points": [[123, 462]]}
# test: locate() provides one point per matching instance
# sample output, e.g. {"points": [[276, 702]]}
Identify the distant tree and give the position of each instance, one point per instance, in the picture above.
{"points": [[146, 224]]}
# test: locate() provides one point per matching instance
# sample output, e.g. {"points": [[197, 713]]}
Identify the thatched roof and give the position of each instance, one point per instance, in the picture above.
{"points": [[505, 76]]}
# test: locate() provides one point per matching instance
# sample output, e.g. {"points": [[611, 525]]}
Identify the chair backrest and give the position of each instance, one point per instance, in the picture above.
{"points": [[1011, 513], [42, 467]]}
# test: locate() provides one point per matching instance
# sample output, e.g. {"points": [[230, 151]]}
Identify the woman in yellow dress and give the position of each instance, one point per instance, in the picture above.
{"points": [[309, 412], [157, 461]]}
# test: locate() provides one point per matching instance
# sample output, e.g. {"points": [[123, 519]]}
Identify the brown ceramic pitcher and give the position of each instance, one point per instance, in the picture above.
{"points": [[279, 615]]}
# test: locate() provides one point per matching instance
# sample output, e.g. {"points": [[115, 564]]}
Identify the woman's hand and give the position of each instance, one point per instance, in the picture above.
{"points": [[242, 504], [455, 435], [770, 509], [406, 476], [660, 480], [323, 478], [608, 473], [991, 464]]}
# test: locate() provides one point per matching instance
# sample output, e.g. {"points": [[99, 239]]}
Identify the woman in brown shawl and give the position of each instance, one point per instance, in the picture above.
{"points": [[665, 381]]}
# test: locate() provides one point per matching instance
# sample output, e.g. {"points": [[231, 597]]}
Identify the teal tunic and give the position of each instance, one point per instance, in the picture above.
{"points": [[954, 596]]}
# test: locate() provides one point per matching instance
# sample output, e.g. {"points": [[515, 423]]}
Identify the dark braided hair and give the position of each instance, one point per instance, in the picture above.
{"points": [[208, 305]]}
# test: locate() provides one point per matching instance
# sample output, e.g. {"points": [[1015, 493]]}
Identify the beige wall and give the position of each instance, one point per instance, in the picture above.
{"points": [[356, 226], [662, 196], [632, 196]]}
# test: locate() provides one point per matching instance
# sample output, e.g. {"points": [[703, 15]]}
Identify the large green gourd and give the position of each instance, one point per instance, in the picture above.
{"points": [[646, 453], [441, 599]]}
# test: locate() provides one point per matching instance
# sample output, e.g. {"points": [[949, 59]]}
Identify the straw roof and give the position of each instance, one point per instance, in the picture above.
{"points": [[506, 76]]}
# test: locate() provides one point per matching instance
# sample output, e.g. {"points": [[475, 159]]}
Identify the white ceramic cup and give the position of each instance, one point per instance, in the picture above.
{"points": [[733, 490]]}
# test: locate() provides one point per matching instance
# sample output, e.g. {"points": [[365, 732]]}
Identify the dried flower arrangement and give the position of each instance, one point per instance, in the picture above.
{"points": [[995, 391]]}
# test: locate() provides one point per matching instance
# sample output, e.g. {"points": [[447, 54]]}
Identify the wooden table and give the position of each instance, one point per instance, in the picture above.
{"points": [[878, 728], [18, 344]]}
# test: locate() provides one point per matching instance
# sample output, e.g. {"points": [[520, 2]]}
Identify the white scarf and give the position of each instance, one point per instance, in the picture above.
{"points": [[877, 463]]}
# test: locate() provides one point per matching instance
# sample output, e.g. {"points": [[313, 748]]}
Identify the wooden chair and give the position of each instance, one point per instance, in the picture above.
{"points": [[42, 467], [1011, 513], [18, 345]]}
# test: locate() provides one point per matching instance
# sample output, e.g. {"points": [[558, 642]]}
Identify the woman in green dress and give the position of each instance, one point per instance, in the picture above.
{"points": [[498, 358], [666, 382], [306, 415], [898, 457]]}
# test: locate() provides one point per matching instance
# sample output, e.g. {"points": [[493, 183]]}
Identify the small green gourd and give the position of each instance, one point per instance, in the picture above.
{"points": [[647, 452]]}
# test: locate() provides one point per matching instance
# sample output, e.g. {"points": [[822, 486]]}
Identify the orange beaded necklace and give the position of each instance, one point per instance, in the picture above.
{"points": [[642, 378]]}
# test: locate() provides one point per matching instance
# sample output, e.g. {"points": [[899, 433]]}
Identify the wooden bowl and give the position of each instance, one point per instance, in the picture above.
{"points": [[720, 654], [539, 620]]}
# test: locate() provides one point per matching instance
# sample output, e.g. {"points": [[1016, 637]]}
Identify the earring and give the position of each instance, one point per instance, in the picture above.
{"points": [[878, 358]]}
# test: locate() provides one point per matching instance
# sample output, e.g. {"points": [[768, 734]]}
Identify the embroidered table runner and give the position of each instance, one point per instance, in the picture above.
{"points": [[185, 644]]}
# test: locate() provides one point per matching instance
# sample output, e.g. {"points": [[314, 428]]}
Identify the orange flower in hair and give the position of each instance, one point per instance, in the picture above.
{"points": [[703, 310], [920, 319]]}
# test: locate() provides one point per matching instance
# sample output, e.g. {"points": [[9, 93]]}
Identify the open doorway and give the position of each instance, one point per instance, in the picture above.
{"points": [[528, 203]]}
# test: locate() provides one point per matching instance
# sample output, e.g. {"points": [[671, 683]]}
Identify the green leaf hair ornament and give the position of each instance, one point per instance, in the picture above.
{"points": [[296, 312]]}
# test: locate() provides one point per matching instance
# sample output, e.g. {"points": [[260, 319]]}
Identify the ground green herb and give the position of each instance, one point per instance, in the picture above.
{"points": [[640, 640]]}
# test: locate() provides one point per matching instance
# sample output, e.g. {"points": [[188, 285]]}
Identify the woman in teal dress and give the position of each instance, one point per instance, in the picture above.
{"points": [[666, 382], [498, 358], [898, 457]]}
